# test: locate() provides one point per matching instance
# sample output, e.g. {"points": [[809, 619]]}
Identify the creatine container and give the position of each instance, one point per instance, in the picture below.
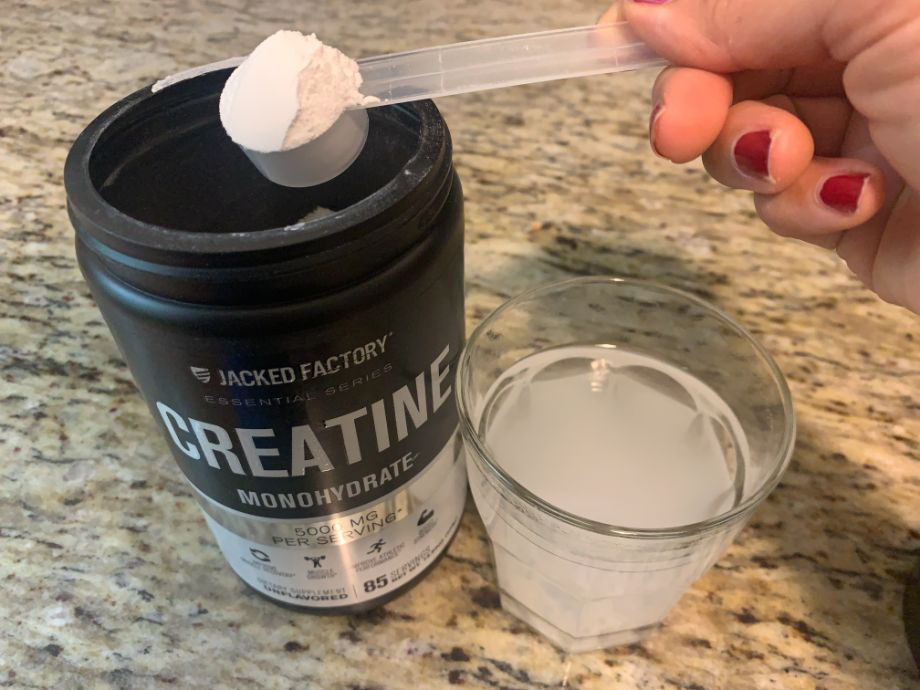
{"points": [[296, 347]]}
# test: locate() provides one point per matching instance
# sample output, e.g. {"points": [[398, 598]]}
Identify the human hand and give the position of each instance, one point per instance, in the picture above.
{"points": [[814, 107]]}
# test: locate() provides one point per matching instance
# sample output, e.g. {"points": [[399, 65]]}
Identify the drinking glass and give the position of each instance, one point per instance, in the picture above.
{"points": [[585, 584]]}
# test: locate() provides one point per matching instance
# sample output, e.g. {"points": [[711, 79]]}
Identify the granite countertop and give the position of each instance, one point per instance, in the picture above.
{"points": [[110, 578]]}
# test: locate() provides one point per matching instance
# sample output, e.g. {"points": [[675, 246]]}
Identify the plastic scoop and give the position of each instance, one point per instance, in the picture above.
{"points": [[447, 70]]}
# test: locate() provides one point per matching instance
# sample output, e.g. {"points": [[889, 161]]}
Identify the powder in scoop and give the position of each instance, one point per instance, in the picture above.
{"points": [[289, 91]]}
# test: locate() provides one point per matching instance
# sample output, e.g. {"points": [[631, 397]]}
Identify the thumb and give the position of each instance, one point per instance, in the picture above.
{"points": [[876, 40], [751, 34]]}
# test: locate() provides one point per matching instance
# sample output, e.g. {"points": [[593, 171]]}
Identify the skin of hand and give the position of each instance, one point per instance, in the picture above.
{"points": [[813, 106]]}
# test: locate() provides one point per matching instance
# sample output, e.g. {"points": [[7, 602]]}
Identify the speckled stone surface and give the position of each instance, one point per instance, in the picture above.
{"points": [[110, 578]]}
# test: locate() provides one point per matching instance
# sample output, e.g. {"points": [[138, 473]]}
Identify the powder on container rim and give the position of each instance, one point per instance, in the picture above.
{"points": [[316, 214], [289, 91]]}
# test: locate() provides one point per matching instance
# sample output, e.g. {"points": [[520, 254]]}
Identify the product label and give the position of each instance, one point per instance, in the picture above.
{"points": [[323, 451], [302, 452], [353, 558]]}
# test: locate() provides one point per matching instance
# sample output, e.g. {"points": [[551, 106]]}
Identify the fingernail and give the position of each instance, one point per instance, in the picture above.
{"points": [[842, 192], [752, 153], [653, 128]]}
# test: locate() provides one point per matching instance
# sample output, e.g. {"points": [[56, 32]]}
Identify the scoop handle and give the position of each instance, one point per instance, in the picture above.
{"points": [[494, 63], [489, 63]]}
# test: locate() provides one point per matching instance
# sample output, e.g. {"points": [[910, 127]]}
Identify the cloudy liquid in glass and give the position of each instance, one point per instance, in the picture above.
{"points": [[616, 437]]}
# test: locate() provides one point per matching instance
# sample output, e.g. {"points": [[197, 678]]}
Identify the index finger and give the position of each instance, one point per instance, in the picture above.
{"points": [[751, 34]]}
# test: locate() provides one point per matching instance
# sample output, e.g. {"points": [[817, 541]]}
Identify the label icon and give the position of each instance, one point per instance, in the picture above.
{"points": [[317, 560], [202, 374], [377, 546]]}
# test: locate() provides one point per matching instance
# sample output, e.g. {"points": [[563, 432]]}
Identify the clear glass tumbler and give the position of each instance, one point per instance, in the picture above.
{"points": [[582, 583]]}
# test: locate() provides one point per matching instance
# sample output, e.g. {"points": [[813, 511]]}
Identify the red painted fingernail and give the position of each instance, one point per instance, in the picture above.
{"points": [[842, 192], [653, 127], [752, 153]]}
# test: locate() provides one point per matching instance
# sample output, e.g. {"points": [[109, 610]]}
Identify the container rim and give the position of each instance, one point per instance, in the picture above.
{"points": [[115, 228], [494, 469]]}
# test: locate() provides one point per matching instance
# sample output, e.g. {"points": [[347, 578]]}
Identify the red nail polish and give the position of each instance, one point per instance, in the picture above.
{"points": [[652, 129], [842, 192], [752, 153]]}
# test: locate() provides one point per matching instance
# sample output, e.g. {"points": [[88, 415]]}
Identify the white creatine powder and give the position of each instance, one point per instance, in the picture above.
{"points": [[316, 214], [289, 91]]}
